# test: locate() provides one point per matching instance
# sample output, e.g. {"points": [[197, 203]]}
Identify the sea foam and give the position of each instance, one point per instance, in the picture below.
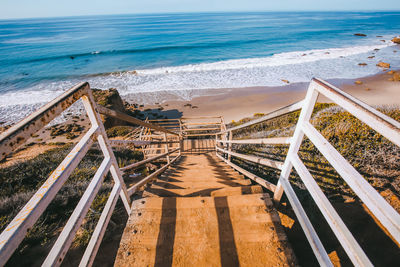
{"points": [[298, 66]]}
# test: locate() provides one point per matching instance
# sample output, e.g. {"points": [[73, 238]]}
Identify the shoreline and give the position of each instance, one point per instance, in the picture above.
{"points": [[238, 103], [241, 102], [232, 103]]}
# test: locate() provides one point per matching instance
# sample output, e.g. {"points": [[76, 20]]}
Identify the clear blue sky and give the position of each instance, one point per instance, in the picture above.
{"points": [[55, 8]]}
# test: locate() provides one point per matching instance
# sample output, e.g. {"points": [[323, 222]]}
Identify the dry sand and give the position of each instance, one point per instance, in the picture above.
{"points": [[237, 103]]}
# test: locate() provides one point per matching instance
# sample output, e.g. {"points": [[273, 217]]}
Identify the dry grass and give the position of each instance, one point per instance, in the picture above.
{"points": [[376, 158], [21, 180]]}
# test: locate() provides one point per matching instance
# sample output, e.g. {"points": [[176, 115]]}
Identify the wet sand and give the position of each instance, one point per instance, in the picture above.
{"points": [[237, 103]]}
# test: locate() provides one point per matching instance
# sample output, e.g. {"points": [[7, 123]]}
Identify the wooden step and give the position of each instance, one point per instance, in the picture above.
{"points": [[178, 178], [235, 230], [190, 192], [200, 184], [233, 191]]}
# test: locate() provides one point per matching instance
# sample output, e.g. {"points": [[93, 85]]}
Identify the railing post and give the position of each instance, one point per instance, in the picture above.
{"points": [[229, 145], [166, 148], [305, 115], [94, 116], [181, 148], [216, 144]]}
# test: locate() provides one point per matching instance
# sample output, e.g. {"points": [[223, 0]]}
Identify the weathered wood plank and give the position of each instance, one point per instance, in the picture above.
{"points": [[262, 161], [259, 141]]}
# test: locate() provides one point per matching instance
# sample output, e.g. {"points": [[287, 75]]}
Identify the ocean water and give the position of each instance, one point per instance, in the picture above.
{"points": [[40, 58]]}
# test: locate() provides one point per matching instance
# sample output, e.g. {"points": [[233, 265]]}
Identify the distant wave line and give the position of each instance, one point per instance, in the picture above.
{"points": [[140, 50]]}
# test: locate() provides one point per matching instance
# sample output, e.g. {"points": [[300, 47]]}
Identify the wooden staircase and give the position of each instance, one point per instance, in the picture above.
{"points": [[201, 212]]}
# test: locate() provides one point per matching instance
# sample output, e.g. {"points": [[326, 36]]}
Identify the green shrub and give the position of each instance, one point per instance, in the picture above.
{"points": [[119, 131]]}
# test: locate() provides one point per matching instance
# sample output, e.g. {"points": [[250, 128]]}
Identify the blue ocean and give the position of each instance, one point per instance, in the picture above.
{"points": [[40, 58]]}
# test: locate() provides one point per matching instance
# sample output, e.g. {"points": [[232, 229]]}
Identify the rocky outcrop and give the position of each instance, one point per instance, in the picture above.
{"points": [[110, 99], [396, 40], [395, 76], [383, 65]]}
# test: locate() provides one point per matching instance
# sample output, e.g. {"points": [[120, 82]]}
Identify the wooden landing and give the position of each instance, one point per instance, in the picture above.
{"points": [[204, 214]]}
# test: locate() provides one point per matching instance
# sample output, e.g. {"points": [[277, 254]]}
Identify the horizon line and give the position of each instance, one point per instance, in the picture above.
{"points": [[198, 12]]}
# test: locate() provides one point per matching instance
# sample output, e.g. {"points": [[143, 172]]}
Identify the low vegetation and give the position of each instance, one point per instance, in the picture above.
{"points": [[21, 180], [376, 158], [119, 131]]}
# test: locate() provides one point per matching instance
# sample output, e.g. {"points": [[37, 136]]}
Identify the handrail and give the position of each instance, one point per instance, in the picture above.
{"points": [[17, 229], [258, 160], [382, 210], [19, 133], [147, 179], [203, 134], [200, 123], [200, 117], [279, 112], [164, 120], [130, 119], [140, 142], [137, 164], [378, 121], [199, 129], [259, 141], [255, 178]]}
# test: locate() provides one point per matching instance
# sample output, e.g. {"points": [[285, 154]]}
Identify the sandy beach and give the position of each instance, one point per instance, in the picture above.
{"points": [[237, 103]]}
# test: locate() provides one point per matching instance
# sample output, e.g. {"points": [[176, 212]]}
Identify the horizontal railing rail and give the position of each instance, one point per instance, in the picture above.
{"points": [[140, 142], [259, 160], [387, 216], [140, 163], [259, 141], [147, 179], [200, 126], [277, 113], [270, 186], [19, 133], [125, 117]]}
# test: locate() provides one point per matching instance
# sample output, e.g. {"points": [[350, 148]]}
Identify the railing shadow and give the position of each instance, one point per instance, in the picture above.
{"points": [[166, 235], [227, 245]]}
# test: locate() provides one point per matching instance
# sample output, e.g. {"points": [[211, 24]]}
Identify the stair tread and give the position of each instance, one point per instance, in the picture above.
{"points": [[203, 213], [199, 231]]}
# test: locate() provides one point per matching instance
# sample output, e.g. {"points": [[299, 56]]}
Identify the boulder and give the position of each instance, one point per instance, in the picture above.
{"points": [[396, 40], [362, 64], [360, 34], [358, 82], [285, 81], [383, 65], [396, 77], [110, 99]]}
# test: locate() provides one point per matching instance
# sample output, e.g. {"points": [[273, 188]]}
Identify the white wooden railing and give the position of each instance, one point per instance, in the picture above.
{"points": [[381, 123], [17, 135]]}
